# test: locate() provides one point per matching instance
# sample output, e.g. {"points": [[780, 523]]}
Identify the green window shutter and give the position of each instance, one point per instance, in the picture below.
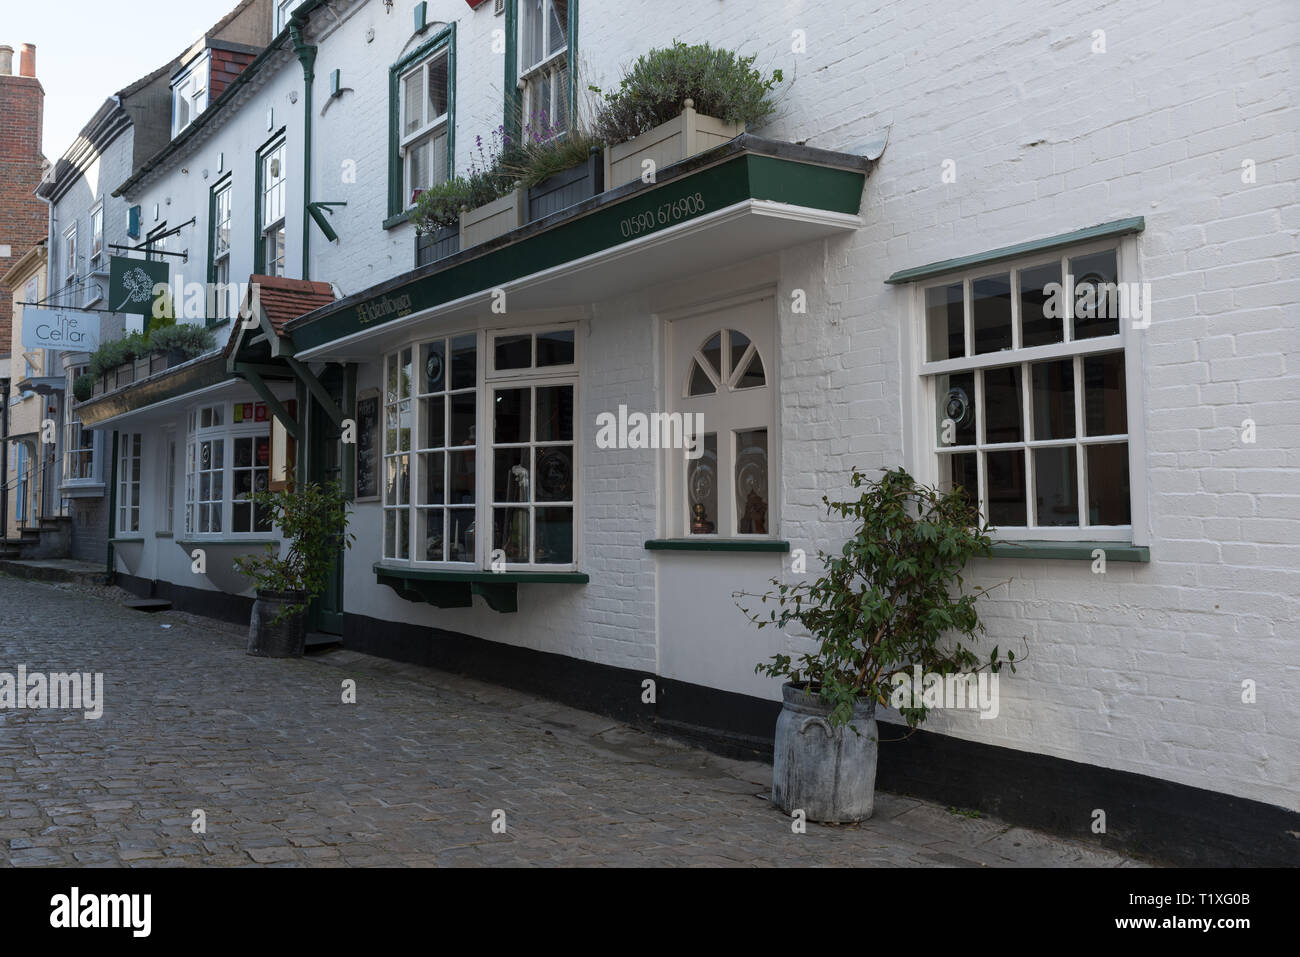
{"points": [[133, 222]]}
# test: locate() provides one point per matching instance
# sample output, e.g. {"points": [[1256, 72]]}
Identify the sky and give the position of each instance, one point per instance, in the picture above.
{"points": [[87, 50]]}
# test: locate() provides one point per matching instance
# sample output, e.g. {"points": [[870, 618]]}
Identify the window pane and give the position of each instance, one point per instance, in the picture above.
{"points": [[532, 24], [956, 409], [460, 535], [751, 482], [464, 362], [739, 342], [701, 384], [513, 352], [555, 474], [1105, 405], [1004, 474], [959, 471], [555, 414], [1056, 491], [435, 423], [433, 360], [1053, 399], [1003, 405], [462, 419], [437, 87], [460, 481], [753, 376], [555, 348], [1108, 489], [1040, 310], [991, 312], [512, 416], [713, 353], [412, 100], [558, 32], [511, 481], [510, 532], [434, 519], [702, 488], [435, 483], [1096, 297], [945, 322], [554, 536]]}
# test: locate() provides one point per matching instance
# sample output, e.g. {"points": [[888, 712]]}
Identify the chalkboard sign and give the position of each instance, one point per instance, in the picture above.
{"points": [[368, 445]]}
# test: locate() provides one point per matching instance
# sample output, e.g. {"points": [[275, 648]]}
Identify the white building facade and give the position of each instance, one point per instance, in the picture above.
{"points": [[864, 282]]}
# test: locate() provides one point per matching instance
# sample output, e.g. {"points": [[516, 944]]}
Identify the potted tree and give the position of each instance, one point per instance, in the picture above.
{"points": [[677, 101], [314, 520], [891, 599]]}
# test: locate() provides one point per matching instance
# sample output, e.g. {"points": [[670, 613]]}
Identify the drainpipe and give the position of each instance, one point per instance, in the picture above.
{"points": [[4, 458], [307, 57]]}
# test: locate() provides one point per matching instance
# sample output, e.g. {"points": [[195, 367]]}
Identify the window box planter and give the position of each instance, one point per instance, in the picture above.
{"points": [[492, 220], [142, 367], [123, 375], [685, 135], [101, 386], [430, 247], [567, 188]]}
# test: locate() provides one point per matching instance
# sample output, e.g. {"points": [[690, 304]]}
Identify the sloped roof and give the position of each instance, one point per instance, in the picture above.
{"points": [[282, 299]]}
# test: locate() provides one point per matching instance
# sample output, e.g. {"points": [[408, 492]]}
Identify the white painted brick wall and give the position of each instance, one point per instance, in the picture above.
{"points": [[1139, 670]]}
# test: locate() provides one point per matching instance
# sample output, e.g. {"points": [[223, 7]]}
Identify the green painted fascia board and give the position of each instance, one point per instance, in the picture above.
{"points": [[1072, 551], [714, 545], [582, 233], [444, 37], [1120, 227]]}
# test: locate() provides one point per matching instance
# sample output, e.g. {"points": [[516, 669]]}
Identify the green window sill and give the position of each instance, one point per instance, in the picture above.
{"points": [[188, 543], [1072, 551], [702, 544], [127, 540], [398, 219], [456, 589], [163, 535]]}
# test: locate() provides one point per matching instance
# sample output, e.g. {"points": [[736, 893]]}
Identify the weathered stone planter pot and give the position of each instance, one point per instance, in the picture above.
{"points": [[266, 639], [685, 135], [492, 219], [829, 773]]}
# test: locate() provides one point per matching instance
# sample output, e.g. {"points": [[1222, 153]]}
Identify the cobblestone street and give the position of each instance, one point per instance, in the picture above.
{"points": [[287, 774]]}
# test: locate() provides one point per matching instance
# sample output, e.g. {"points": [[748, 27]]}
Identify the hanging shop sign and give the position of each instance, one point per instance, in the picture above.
{"points": [[72, 330], [132, 284]]}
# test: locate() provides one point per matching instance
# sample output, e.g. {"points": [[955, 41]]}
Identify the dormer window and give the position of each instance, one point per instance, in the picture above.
{"points": [[189, 94], [283, 9]]}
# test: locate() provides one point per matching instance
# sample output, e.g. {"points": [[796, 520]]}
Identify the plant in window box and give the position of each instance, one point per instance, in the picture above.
{"points": [[494, 205], [558, 167], [180, 343], [890, 601], [314, 521], [677, 101]]}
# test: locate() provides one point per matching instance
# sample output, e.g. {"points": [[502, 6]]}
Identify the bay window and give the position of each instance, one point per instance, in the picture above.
{"points": [[227, 460], [1024, 378], [479, 450]]}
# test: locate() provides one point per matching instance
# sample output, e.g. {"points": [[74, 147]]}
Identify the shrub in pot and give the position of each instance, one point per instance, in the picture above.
{"points": [[893, 598], [181, 342], [314, 520], [677, 101], [558, 167], [83, 386]]}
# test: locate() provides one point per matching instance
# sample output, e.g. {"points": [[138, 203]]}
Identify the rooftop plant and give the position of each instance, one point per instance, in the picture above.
{"points": [[652, 91]]}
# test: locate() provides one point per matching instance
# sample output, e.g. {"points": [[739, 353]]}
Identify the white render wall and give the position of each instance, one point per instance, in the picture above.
{"points": [[1140, 669]]}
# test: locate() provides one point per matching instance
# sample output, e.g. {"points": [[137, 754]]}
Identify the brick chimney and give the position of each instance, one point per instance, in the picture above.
{"points": [[23, 217]]}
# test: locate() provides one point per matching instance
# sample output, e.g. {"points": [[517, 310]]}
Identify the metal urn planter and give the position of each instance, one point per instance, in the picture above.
{"points": [[829, 773], [269, 639]]}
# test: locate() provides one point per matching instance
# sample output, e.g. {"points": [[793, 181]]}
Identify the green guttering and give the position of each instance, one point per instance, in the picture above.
{"points": [[112, 510], [306, 53], [1120, 227], [215, 108], [746, 168]]}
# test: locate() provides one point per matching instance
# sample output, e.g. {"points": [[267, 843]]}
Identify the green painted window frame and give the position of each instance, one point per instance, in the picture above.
{"points": [[225, 182], [512, 108], [397, 210], [259, 251]]}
